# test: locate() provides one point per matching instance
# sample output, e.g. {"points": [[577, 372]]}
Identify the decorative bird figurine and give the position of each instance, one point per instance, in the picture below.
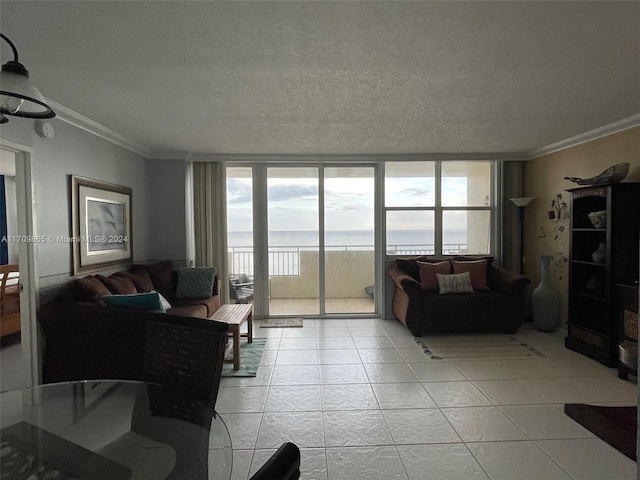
{"points": [[613, 174]]}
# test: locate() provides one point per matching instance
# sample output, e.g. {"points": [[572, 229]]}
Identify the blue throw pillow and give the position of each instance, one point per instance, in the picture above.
{"points": [[146, 301], [195, 282]]}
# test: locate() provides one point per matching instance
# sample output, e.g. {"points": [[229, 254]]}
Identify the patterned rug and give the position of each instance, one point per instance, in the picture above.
{"points": [[250, 356], [475, 346], [283, 322]]}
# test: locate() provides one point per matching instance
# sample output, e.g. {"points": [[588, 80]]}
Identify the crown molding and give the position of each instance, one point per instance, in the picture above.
{"points": [[80, 121], [351, 158], [605, 130]]}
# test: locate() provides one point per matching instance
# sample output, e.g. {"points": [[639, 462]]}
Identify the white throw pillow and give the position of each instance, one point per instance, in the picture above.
{"points": [[454, 283]]}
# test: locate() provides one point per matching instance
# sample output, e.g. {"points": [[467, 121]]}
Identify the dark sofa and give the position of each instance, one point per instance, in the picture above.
{"points": [[142, 278], [83, 338], [498, 306]]}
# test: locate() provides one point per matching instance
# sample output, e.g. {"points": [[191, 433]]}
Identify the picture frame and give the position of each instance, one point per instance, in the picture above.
{"points": [[102, 225]]}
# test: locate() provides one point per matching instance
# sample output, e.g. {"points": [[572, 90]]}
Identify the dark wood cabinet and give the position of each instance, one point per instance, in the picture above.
{"points": [[594, 326]]}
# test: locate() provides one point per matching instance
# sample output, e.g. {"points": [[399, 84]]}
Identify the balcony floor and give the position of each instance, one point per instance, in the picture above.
{"points": [[309, 306]]}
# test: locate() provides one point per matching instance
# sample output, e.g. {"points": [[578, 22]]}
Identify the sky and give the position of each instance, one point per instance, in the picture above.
{"points": [[349, 205]]}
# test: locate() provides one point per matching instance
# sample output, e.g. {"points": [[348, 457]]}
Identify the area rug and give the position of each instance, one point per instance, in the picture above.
{"points": [[475, 346], [283, 322], [615, 425], [250, 355]]}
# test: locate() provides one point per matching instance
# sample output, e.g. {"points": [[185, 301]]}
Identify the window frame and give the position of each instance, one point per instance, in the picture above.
{"points": [[438, 209]]}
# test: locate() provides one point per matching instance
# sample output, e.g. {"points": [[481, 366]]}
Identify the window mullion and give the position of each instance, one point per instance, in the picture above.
{"points": [[438, 210]]}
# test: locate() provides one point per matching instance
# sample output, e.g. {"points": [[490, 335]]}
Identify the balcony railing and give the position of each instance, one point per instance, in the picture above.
{"points": [[285, 261]]}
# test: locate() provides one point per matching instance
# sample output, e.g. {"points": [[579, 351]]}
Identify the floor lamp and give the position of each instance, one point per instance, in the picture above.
{"points": [[521, 203]]}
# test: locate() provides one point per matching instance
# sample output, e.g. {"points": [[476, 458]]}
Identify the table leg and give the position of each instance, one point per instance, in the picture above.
{"points": [[250, 328], [236, 347]]}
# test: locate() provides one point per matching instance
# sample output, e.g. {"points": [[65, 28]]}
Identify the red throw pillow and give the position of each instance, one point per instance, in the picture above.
{"points": [[160, 274], [117, 284], [477, 269], [141, 280], [428, 270], [88, 289]]}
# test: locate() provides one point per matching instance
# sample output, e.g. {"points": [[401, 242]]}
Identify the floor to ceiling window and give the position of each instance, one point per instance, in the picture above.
{"points": [[306, 234]]}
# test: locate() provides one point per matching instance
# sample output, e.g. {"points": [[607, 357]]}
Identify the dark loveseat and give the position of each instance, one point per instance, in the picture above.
{"points": [[496, 306]]}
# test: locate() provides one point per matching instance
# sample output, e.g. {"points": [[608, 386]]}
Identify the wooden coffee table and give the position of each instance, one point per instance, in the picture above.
{"points": [[235, 315]]}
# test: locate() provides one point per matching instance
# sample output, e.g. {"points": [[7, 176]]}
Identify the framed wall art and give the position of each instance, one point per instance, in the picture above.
{"points": [[101, 225]]}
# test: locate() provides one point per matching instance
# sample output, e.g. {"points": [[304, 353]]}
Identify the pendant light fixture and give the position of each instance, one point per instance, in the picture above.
{"points": [[18, 96]]}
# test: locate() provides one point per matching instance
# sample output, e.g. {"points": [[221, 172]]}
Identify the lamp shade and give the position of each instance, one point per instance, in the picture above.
{"points": [[18, 96], [522, 202]]}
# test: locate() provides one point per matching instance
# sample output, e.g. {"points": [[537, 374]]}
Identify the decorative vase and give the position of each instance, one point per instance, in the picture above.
{"points": [[546, 300], [600, 255]]}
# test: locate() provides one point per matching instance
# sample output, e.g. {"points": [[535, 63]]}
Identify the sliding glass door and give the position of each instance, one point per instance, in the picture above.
{"points": [[305, 236], [293, 240], [349, 232]]}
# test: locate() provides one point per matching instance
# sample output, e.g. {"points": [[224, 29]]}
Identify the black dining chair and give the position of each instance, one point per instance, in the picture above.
{"points": [[187, 353], [283, 465]]}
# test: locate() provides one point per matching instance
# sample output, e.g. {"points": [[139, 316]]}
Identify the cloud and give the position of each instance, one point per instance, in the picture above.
{"points": [[288, 192], [238, 191]]}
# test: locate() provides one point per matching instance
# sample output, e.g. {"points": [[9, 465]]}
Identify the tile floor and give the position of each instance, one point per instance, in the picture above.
{"points": [[363, 402]]}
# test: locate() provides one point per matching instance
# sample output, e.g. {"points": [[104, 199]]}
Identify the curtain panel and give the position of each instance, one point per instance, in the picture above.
{"points": [[210, 218]]}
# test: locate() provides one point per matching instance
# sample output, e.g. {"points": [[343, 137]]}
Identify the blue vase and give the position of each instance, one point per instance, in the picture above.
{"points": [[546, 300]]}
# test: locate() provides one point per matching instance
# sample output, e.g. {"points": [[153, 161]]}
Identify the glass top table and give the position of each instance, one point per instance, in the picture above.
{"points": [[110, 430]]}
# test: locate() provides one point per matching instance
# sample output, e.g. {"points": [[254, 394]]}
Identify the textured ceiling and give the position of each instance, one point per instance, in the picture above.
{"points": [[321, 77]]}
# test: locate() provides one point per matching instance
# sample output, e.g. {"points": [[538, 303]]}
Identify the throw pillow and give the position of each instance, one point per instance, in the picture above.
{"points": [[428, 279], [146, 301], [117, 284], [410, 265], [195, 282], [160, 274], [165, 303], [141, 280], [454, 283], [478, 271], [88, 289], [463, 258]]}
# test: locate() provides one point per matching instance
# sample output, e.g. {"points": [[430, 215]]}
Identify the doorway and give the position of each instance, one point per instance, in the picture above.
{"points": [[22, 368]]}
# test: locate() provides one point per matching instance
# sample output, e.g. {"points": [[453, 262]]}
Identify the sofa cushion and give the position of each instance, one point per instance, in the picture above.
{"points": [[195, 282], [427, 273], [477, 270], [118, 284], [454, 283], [211, 304], [141, 280], [146, 301], [88, 289], [194, 310], [160, 274]]}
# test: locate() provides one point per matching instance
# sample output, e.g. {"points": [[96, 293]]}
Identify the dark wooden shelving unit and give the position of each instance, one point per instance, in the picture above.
{"points": [[593, 327]]}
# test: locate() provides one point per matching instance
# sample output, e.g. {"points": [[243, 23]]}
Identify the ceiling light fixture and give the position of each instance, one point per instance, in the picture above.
{"points": [[18, 96]]}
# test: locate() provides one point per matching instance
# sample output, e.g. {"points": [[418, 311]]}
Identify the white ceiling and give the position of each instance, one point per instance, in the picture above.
{"points": [[323, 77]]}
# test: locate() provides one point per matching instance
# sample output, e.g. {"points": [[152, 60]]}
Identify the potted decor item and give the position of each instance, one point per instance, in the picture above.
{"points": [[546, 300], [600, 255]]}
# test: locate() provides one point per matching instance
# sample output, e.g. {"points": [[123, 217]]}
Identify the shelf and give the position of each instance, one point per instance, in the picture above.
{"points": [[589, 296], [594, 320], [590, 263]]}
